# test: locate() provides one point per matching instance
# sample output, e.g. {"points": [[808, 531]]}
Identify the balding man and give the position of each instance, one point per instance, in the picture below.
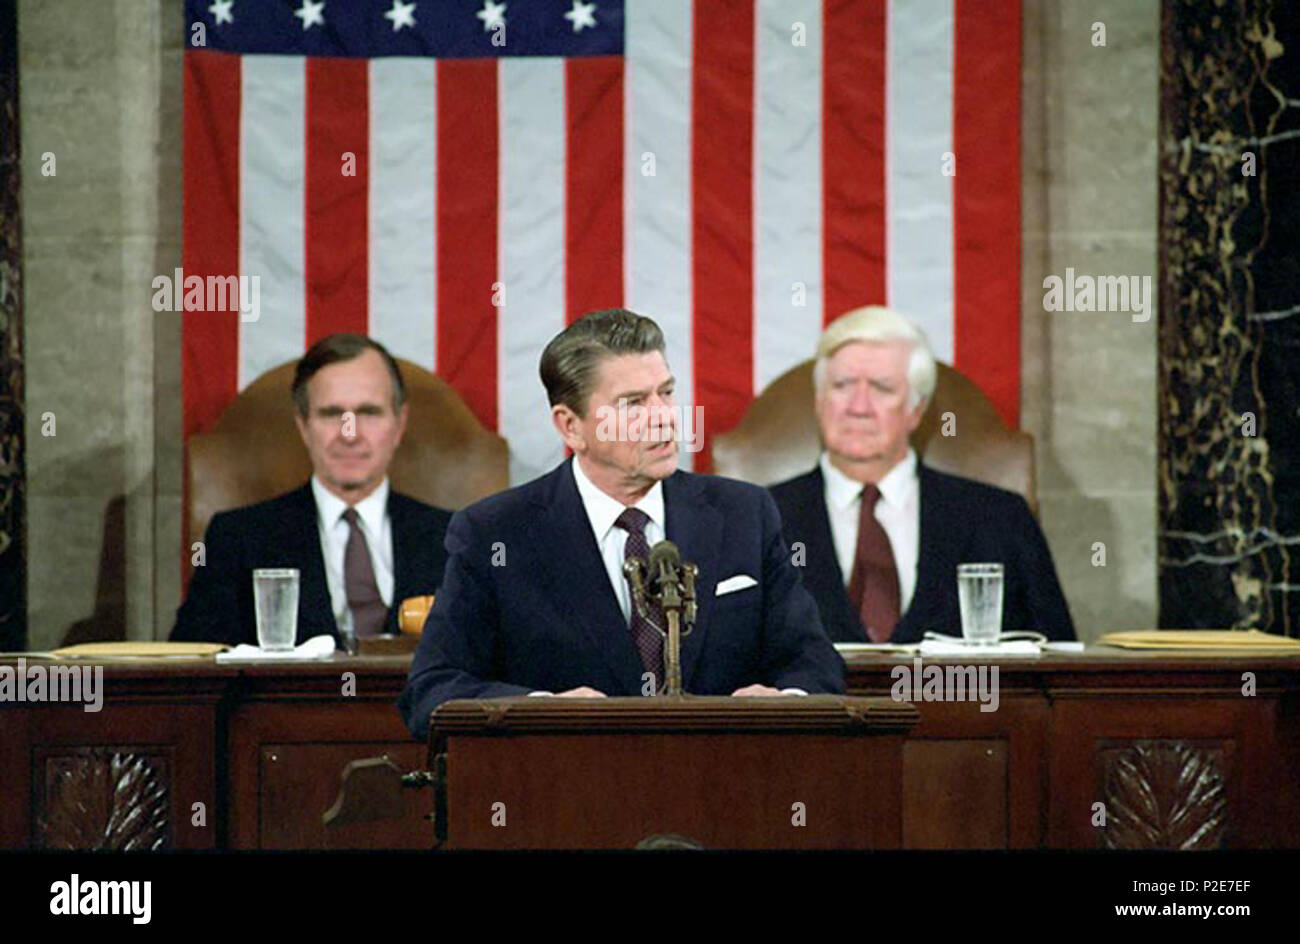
{"points": [[883, 533]]}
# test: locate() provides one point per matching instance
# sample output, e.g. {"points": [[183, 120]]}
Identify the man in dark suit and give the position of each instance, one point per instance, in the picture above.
{"points": [[881, 534], [535, 601], [359, 547]]}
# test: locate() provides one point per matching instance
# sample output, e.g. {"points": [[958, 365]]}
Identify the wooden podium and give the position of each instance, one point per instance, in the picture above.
{"points": [[817, 772]]}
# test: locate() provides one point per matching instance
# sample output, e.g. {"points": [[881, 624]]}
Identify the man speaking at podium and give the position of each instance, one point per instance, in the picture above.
{"points": [[534, 600]]}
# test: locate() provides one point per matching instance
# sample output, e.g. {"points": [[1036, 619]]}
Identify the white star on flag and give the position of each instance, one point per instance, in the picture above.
{"points": [[402, 14], [311, 14], [492, 15], [221, 12], [582, 14]]}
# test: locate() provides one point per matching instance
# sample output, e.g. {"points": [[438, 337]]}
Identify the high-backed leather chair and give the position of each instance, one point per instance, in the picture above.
{"points": [[254, 451], [778, 439]]}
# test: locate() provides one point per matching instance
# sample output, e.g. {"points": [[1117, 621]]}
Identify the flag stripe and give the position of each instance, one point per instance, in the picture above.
{"points": [[271, 238], [787, 185], [593, 186], [986, 219], [722, 144], [338, 152], [532, 254], [401, 204], [210, 356], [658, 180], [210, 228], [853, 128], [467, 231], [918, 195]]}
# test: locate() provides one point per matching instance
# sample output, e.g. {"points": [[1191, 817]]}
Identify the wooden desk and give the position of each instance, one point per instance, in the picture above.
{"points": [[1176, 753], [1171, 747], [261, 747]]}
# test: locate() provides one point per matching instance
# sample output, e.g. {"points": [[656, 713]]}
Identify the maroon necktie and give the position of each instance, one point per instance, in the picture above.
{"points": [[367, 606], [648, 641], [873, 588]]}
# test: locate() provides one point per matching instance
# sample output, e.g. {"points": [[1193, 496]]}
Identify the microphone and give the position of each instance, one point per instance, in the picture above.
{"points": [[634, 571], [689, 607], [671, 584], [665, 561]]}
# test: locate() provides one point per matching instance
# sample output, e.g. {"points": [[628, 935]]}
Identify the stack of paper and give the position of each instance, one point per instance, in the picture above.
{"points": [[1021, 648], [1202, 640], [143, 649], [1013, 649]]}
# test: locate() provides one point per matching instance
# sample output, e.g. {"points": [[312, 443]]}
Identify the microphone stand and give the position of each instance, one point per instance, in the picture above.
{"points": [[675, 595]]}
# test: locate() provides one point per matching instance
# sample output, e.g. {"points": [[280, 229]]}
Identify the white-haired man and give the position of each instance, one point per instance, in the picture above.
{"points": [[883, 533]]}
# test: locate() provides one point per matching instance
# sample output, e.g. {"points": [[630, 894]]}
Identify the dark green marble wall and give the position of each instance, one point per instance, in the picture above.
{"points": [[1229, 332]]}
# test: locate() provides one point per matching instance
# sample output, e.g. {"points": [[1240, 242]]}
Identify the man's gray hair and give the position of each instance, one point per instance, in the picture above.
{"points": [[569, 363], [874, 324]]}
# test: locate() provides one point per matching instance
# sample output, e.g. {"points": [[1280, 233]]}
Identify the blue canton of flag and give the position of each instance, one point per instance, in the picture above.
{"points": [[446, 29]]}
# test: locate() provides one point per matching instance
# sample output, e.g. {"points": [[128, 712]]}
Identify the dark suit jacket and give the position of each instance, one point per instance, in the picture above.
{"points": [[545, 616], [282, 532], [961, 522]]}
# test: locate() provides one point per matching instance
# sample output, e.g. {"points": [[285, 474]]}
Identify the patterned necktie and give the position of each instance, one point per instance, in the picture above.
{"points": [[648, 641], [873, 588], [367, 606]]}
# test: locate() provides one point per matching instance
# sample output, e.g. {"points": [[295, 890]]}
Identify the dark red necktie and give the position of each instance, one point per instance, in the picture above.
{"points": [[367, 606], [648, 641], [873, 587]]}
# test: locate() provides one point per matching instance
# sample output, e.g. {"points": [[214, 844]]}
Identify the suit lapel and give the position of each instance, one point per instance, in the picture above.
{"points": [[827, 582], [695, 527], [404, 548], [577, 580], [931, 561], [315, 603]]}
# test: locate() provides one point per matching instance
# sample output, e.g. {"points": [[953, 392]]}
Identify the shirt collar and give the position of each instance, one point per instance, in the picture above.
{"points": [[603, 510], [370, 510], [842, 491]]}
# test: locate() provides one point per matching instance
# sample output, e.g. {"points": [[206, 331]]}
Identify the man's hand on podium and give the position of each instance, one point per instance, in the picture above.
{"points": [[582, 691], [757, 690]]}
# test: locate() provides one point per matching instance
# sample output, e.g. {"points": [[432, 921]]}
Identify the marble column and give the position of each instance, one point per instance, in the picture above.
{"points": [[1229, 332], [102, 92], [13, 562]]}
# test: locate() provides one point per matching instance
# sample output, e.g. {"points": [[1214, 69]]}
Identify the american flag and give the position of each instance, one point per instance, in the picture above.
{"points": [[461, 178]]}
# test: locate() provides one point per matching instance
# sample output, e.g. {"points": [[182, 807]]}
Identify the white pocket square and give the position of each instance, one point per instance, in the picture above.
{"points": [[732, 584]]}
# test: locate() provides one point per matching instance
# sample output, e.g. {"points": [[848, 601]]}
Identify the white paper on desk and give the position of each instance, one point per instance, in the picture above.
{"points": [[1022, 649], [848, 648], [1063, 645], [318, 647]]}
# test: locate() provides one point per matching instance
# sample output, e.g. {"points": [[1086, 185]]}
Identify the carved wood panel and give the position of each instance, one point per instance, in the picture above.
{"points": [[101, 798], [1164, 794]]}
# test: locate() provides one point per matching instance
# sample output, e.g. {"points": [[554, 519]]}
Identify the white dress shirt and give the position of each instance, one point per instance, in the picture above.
{"points": [[602, 511], [373, 519], [898, 511]]}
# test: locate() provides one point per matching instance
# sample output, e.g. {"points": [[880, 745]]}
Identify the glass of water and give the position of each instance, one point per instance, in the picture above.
{"points": [[979, 593], [275, 604]]}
